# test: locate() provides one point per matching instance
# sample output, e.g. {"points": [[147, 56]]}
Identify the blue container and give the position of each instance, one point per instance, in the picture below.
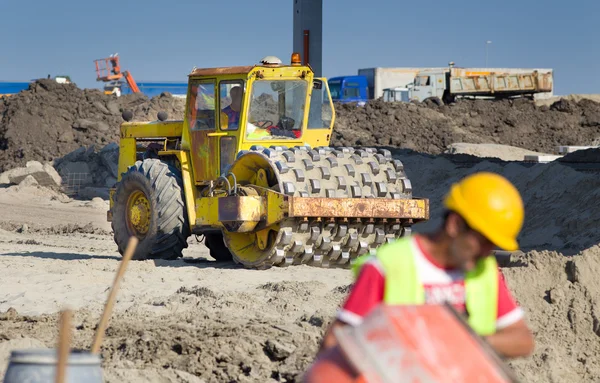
{"points": [[12, 87], [39, 366], [152, 89]]}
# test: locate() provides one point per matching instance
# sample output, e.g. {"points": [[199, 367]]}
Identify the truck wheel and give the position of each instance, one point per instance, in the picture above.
{"points": [[447, 98], [149, 204], [435, 100], [216, 245]]}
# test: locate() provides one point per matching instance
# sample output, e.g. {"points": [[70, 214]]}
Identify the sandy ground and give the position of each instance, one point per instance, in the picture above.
{"points": [[52, 265], [503, 152], [570, 97], [196, 320]]}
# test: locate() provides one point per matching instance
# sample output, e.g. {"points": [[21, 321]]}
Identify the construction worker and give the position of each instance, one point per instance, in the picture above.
{"points": [[453, 264]]}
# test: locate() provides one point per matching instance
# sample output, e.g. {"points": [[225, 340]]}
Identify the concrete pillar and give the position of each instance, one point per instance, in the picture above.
{"points": [[308, 16]]}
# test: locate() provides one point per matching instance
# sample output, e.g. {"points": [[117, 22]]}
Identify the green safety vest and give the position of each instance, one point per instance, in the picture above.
{"points": [[403, 287], [258, 133]]}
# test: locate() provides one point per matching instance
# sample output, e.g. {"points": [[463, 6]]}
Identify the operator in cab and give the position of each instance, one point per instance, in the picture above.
{"points": [[230, 115]]}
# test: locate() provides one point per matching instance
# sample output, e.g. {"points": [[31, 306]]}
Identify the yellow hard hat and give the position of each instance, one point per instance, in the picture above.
{"points": [[491, 205]]}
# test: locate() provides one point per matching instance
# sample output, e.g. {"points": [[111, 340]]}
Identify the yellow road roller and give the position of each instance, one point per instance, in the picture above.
{"points": [[250, 169]]}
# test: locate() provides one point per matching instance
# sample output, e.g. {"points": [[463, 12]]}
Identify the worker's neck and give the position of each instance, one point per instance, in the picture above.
{"points": [[436, 244]]}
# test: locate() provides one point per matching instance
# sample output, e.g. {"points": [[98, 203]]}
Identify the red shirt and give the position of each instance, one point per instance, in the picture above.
{"points": [[441, 285]]}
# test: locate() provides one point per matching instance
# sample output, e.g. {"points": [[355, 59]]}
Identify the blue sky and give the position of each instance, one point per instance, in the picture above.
{"points": [[160, 42]]}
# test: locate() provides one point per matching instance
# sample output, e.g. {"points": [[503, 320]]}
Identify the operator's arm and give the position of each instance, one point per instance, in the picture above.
{"points": [[366, 294], [513, 341], [513, 338]]}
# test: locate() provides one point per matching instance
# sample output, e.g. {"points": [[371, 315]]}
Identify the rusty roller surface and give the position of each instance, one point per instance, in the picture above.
{"points": [[324, 172]]}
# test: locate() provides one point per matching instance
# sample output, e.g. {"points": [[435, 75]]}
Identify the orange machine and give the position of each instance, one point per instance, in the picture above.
{"points": [[409, 344], [109, 70]]}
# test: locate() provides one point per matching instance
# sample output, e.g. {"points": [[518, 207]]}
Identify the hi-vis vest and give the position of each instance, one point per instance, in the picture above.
{"points": [[403, 287], [257, 134]]}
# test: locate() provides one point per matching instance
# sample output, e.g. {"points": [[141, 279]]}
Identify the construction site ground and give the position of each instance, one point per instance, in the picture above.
{"points": [[196, 320]]}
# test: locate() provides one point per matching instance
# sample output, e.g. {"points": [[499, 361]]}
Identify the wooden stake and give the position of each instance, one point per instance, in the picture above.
{"points": [[133, 241], [64, 341]]}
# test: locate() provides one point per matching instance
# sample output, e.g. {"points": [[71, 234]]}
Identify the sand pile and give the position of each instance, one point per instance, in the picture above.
{"points": [[264, 332], [561, 206], [503, 152], [271, 332], [556, 280], [50, 120], [428, 128], [560, 297]]}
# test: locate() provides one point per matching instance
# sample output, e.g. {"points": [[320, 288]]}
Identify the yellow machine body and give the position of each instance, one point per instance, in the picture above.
{"points": [[261, 183]]}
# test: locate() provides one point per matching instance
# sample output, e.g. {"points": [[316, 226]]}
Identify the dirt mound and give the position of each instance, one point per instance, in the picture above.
{"points": [[583, 155], [561, 212], [264, 335], [560, 297], [50, 120], [428, 128], [267, 334], [59, 229], [503, 152]]}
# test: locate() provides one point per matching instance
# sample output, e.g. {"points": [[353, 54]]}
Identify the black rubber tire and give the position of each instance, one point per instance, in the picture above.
{"points": [[216, 245], [435, 100], [169, 229], [447, 98]]}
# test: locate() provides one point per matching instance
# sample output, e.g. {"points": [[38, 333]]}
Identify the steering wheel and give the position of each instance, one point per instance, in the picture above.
{"points": [[263, 124]]}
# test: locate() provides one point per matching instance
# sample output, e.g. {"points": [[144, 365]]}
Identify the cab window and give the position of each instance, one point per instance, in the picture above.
{"points": [[320, 115], [422, 81], [335, 87], [276, 110], [351, 93], [231, 93], [201, 110]]}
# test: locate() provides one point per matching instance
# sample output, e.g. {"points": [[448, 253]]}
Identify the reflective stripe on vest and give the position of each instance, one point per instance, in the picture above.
{"points": [[403, 287], [257, 134]]}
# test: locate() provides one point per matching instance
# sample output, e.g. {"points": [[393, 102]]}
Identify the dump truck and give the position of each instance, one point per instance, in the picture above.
{"points": [[380, 79], [444, 86], [261, 189]]}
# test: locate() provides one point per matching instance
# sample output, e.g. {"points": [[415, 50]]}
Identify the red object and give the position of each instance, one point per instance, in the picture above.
{"points": [[297, 133], [109, 69], [409, 344], [332, 366], [306, 47]]}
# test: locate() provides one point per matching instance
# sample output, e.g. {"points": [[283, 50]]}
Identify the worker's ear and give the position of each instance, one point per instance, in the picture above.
{"points": [[453, 225]]}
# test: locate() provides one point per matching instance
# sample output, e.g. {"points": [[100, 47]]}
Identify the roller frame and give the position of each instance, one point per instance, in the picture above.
{"points": [[272, 207]]}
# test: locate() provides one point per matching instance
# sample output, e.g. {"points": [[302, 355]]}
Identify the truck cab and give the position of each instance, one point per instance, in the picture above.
{"points": [[429, 84], [396, 94], [345, 89]]}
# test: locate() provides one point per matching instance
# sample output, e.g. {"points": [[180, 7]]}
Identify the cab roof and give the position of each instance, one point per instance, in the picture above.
{"points": [[223, 70], [266, 62]]}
